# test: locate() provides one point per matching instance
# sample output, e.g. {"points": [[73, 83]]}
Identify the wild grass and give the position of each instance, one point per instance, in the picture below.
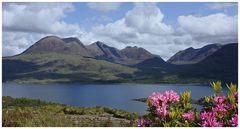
{"points": [[24, 112]]}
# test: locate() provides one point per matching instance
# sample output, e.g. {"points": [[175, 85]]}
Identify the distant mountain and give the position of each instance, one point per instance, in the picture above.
{"points": [[222, 65], [100, 50], [137, 53], [58, 45], [127, 56], [97, 50], [192, 56]]}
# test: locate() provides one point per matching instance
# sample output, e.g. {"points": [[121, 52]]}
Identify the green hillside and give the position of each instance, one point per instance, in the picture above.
{"points": [[55, 67]]}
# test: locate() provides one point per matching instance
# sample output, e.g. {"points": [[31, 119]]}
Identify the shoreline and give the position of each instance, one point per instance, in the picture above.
{"points": [[107, 83]]}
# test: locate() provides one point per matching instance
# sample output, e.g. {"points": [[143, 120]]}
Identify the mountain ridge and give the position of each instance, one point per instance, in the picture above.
{"points": [[98, 50], [193, 56]]}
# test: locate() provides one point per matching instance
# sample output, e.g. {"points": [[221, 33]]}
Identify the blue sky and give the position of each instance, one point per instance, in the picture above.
{"points": [[87, 17], [90, 17], [162, 28]]}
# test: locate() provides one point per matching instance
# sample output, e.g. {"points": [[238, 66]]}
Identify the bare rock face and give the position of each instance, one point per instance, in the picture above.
{"points": [[192, 56]]}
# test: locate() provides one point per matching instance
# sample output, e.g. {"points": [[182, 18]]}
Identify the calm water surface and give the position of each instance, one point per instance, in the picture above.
{"points": [[111, 95]]}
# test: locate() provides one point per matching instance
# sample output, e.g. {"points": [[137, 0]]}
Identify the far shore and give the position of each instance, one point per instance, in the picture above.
{"points": [[104, 83]]}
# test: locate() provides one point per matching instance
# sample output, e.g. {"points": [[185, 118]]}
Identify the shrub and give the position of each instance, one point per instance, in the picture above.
{"points": [[169, 109]]}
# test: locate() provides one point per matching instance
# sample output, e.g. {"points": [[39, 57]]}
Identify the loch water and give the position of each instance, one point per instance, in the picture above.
{"points": [[118, 96]]}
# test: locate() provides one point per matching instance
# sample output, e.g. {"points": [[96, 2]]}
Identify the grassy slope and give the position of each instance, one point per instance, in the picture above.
{"points": [[57, 68], [24, 112], [62, 68]]}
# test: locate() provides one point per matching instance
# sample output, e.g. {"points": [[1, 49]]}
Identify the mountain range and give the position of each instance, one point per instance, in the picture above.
{"points": [[55, 59]]}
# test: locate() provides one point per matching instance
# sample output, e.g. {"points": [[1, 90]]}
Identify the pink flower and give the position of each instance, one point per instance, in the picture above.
{"points": [[162, 111], [154, 99], [171, 96], [160, 101], [212, 123], [144, 123], [234, 120], [188, 116], [208, 119], [205, 115], [220, 108], [219, 99]]}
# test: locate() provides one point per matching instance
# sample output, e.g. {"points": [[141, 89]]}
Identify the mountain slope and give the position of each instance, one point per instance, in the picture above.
{"points": [[134, 55], [192, 56], [223, 64], [56, 67], [137, 53], [58, 45], [102, 51], [126, 56], [97, 50], [155, 62]]}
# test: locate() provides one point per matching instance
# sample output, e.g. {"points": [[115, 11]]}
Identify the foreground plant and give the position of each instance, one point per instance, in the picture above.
{"points": [[168, 109]]}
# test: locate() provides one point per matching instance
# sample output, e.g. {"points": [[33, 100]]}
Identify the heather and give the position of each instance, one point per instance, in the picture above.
{"points": [[170, 109]]}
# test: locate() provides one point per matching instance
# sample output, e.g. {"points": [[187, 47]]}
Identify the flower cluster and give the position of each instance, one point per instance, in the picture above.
{"points": [[189, 116], [170, 109], [219, 99], [208, 119], [221, 108], [234, 120], [171, 96], [156, 99], [160, 101]]}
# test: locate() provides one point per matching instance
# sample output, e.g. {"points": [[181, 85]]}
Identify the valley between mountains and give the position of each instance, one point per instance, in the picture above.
{"points": [[67, 60]]}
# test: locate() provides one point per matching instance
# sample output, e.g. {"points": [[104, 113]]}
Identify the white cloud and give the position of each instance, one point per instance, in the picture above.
{"points": [[142, 26], [17, 42], [219, 27], [37, 17], [147, 18], [221, 5], [104, 6], [25, 23]]}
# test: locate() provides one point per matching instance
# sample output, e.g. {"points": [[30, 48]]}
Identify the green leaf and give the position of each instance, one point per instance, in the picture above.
{"points": [[217, 86]]}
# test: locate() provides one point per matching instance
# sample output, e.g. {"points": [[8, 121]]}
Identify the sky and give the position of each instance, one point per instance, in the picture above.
{"points": [[161, 28]]}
